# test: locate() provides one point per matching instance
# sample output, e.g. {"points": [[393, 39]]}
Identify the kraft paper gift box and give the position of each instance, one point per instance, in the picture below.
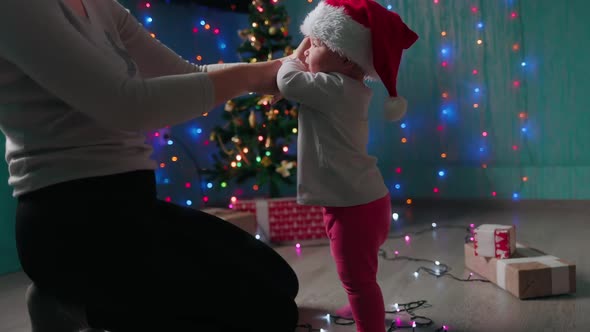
{"points": [[284, 221], [529, 274], [497, 241], [244, 220]]}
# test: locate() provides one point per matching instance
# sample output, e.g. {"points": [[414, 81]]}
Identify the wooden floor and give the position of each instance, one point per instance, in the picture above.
{"points": [[559, 228]]}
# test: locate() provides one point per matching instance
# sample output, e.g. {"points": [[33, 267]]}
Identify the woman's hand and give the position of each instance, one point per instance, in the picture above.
{"points": [[239, 80], [299, 53], [263, 78]]}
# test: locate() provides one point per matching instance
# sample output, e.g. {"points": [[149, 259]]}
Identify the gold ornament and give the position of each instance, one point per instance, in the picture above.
{"points": [[230, 106], [293, 112], [257, 45], [273, 31], [236, 140], [220, 143], [266, 22], [272, 115], [265, 100], [266, 161], [285, 167], [252, 119], [288, 51], [244, 34]]}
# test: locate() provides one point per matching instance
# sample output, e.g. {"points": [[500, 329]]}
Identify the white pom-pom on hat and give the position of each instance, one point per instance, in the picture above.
{"points": [[395, 108]]}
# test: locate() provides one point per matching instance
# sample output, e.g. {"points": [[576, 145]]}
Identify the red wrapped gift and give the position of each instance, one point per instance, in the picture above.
{"points": [[284, 221], [495, 241]]}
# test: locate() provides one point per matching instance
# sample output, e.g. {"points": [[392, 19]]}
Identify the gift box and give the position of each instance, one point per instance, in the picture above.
{"points": [[497, 241], [530, 273], [244, 220], [282, 220]]}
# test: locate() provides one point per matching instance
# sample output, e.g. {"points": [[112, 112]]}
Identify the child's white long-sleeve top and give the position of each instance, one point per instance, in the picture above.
{"points": [[334, 167], [78, 93]]}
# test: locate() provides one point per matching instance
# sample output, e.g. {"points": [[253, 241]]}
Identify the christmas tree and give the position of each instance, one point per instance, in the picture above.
{"points": [[254, 142]]}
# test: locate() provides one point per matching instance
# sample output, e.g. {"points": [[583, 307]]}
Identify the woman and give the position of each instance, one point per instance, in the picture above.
{"points": [[80, 83]]}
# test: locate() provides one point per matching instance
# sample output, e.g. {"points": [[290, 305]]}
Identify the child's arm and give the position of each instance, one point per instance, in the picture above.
{"points": [[319, 91]]}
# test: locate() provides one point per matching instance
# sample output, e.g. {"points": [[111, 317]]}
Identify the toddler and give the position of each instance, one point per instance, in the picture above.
{"points": [[347, 42]]}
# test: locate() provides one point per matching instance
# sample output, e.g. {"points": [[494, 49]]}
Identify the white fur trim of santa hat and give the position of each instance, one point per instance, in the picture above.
{"points": [[342, 35], [350, 27], [395, 108]]}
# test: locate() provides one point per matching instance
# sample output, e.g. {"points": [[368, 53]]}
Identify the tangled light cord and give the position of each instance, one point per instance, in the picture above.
{"points": [[434, 268]]}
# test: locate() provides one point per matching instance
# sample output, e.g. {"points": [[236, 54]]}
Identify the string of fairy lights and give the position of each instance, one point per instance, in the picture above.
{"points": [[454, 101], [448, 62], [179, 151], [523, 116], [405, 313], [405, 316]]}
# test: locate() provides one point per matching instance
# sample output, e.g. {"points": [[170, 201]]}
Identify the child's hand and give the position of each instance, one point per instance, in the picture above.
{"points": [[299, 53]]}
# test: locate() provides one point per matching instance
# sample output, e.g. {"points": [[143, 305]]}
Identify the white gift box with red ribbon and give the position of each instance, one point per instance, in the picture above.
{"points": [[282, 220], [497, 241]]}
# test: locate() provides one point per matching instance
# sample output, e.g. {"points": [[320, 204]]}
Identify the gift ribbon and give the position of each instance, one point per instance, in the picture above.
{"points": [[262, 215], [485, 238]]}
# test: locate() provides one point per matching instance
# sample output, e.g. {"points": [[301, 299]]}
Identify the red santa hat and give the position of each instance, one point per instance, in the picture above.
{"points": [[367, 34]]}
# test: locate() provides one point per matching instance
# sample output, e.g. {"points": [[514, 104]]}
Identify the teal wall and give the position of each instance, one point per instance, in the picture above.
{"points": [[554, 92], [8, 258]]}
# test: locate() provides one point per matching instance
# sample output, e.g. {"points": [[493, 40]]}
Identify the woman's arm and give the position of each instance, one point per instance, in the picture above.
{"points": [[36, 37], [258, 77]]}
